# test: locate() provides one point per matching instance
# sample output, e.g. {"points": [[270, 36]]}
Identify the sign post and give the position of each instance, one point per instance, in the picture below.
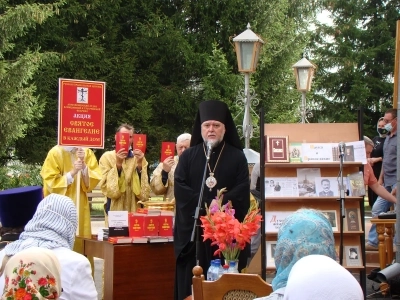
{"points": [[81, 118]]}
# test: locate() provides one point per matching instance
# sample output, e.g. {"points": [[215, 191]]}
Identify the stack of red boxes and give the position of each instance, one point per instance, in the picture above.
{"points": [[150, 223]]}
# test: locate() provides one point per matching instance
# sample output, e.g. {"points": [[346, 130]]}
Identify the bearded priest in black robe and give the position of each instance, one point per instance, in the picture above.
{"points": [[227, 168]]}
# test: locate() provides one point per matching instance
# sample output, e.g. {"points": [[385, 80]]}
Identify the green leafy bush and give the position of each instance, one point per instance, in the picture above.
{"points": [[17, 174]]}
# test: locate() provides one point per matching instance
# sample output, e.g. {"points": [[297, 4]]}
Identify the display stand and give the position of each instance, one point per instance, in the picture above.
{"points": [[317, 133]]}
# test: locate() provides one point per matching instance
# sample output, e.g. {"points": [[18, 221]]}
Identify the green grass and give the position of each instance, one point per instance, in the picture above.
{"points": [[367, 208], [97, 209]]}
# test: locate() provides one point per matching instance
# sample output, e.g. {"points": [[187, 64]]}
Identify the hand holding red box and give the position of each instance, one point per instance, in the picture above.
{"points": [[167, 150], [139, 142], [122, 141]]}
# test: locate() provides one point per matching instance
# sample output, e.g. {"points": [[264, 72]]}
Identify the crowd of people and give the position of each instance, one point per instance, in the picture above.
{"points": [[41, 241]]}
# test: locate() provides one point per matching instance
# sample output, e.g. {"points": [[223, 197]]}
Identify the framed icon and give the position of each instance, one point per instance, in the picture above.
{"points": [[277, 149]]}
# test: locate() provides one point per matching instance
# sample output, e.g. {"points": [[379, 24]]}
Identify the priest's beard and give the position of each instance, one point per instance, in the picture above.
{"points": [[214, 143]]}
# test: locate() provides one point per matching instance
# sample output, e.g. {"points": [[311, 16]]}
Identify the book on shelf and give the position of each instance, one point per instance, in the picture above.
{"points": [[270, 251], [352, 219], [352, 256], [306, 180], [158, 239], [281, 187], [331, 215], [274, 220], [120, 240], [356, 184], [295, 153], [277, 149], [140, 240], [326, 186]]}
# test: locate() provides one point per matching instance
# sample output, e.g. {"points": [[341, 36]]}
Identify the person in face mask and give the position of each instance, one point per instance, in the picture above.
{"points": [[388, 176], [377, 156]]}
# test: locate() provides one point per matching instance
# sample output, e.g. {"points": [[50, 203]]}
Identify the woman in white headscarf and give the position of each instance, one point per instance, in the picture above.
{"points": [[33, 273], [316, 277], [53, 227]]}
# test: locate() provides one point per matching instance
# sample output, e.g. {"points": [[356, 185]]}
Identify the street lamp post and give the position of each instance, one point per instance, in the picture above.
{"points": [[303, 71], [247, 47]]}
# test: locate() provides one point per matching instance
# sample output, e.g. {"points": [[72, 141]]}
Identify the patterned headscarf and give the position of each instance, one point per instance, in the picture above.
{"points": [[33, 273], [305, 232], [53, 225]]}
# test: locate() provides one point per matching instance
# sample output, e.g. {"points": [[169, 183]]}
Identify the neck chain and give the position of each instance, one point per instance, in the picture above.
{"points": [[211, 181]]}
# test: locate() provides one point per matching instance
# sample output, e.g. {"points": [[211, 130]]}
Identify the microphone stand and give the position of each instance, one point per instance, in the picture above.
{"points": [[342, 211], [196, 225]]}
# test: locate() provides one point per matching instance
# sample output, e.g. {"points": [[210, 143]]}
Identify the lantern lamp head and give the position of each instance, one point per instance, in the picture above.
{"points": [[247, 47]]}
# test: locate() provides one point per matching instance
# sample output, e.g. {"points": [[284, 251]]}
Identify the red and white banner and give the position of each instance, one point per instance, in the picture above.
{"points": [[81, 110]]}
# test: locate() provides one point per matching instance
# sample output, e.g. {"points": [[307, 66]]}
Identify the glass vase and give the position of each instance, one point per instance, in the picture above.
{"points": [[236, 268]]}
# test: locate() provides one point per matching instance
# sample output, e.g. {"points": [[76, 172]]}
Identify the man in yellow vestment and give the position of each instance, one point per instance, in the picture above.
{"points": [[124, 176], [59, 172], [162, 181]]}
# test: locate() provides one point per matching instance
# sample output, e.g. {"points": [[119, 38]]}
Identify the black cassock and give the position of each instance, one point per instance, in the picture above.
{"points": [[231, 172]]}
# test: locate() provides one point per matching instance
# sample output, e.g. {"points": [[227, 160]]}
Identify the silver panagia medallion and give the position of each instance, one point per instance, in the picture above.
{"points": [[211, 181]]}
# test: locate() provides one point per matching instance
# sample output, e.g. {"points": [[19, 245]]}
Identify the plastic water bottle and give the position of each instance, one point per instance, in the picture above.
{"points": [[220, 268], [232, 267], [215, 272], [210, 271]]}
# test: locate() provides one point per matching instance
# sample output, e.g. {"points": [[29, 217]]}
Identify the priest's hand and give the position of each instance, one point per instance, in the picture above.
{"points": [[168, 163], [78, 165], [139, 157], [80, 153], [119, 157]]}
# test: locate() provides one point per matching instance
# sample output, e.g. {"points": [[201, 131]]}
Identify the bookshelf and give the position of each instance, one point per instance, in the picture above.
{"points": [[353, 234]]}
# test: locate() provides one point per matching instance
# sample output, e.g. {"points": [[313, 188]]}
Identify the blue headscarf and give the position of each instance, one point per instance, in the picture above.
{"points": [[305, 232]]}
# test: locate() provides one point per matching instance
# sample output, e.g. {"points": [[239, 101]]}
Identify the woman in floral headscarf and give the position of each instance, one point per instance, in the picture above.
{"points": [[33, 273], [53, 227], [305, 232]]}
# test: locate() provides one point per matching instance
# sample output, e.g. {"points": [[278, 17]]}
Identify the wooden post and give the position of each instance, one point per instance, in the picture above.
{"points": [[78, 199], [396, 66]]}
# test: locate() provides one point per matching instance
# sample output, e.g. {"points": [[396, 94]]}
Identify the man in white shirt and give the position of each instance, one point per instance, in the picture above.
{"points": [[53, 227]]}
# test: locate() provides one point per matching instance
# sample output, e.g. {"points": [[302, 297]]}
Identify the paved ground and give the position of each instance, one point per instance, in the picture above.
{"points": [[98, 276]]}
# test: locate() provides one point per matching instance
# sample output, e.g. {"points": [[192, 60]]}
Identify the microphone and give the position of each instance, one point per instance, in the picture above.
{"points": [[210, 145], [342, 146]]}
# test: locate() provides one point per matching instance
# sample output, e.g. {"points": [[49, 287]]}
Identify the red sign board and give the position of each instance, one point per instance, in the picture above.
{"points": [[81, 109]]}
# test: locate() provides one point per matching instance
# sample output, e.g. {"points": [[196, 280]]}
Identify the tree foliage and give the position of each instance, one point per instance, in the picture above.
{"points": [[20, 107], [159, 59], [355, 58]]}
